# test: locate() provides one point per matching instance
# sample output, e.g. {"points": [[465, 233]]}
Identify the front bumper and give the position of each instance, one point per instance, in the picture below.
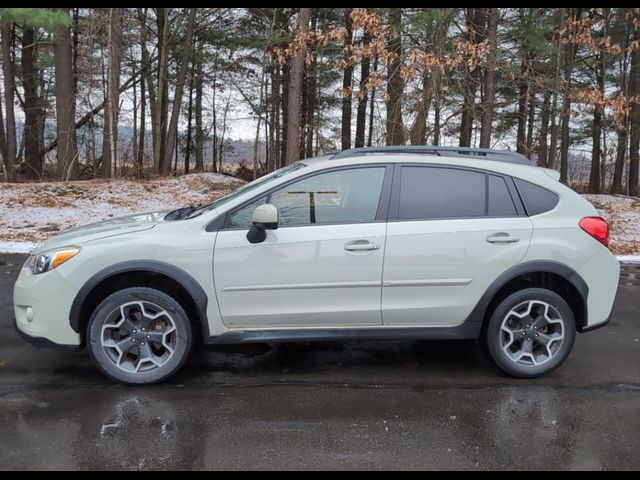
{"points": [[40, 341], [41, 305]]}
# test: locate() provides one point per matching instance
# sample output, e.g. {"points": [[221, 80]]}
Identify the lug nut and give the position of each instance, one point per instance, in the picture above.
{"points": [[148, 336], [135, 331], [133, 340], [142, 344]]}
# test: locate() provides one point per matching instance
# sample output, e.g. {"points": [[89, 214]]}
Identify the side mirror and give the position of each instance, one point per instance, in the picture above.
{"points": [[264, 218]]}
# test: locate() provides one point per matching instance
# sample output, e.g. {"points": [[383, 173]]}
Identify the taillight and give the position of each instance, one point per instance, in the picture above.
{"points": [[597, 227]]}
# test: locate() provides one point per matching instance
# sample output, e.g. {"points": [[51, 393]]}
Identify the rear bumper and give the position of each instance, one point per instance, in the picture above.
{"points": [[602, 275]]}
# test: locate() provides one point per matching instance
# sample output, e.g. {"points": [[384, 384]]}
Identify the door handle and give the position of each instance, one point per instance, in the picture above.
{"points": [[502, 237], [361, 247]]}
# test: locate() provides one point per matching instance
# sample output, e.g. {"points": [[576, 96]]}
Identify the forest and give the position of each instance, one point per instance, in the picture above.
{"points": [[135, 92]]}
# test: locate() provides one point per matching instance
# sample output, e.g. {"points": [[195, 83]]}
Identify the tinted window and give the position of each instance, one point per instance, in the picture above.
{"points": [[341, 196], [536, 199], [427, 192], [500, 201]]}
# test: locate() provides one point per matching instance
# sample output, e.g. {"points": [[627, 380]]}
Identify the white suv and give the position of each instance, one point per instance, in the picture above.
{"points": [[374, 243]]}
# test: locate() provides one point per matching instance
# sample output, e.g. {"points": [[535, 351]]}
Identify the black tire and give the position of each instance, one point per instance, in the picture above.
{"points": [[182, 339], [492, 338]]}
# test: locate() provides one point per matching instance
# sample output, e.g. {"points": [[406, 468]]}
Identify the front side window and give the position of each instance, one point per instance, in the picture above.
{"points": [[341, 196]]}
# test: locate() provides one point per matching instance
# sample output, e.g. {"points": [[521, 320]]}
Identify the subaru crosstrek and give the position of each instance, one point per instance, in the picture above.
{"points": [[374, 243]]}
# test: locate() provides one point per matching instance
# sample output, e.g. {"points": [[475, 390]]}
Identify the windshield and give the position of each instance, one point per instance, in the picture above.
{"points": [[247, 188]]}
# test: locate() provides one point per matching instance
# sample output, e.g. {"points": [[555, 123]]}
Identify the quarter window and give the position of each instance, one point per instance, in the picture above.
{"points": [[536, 199]]}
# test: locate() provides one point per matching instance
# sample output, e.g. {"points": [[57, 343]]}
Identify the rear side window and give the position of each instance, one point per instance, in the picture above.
{"points": [[536, 199], [433, 192], [500, 201]]}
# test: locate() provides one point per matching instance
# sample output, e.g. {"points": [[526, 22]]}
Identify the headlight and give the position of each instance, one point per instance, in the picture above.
{"points": [[43, 262]]}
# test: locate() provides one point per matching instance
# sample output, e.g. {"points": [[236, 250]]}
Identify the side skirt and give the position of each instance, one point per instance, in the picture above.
{"points": [[466, 331]]}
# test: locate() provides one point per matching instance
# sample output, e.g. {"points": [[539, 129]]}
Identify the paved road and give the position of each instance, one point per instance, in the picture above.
{"points": [[370, 405]]}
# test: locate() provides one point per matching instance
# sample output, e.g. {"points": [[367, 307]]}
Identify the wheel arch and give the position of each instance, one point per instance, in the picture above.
{"points": [[554, 276], [145, 273]]}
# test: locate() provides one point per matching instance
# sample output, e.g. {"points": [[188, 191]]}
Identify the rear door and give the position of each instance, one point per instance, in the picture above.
{"points": [[451, 233]]}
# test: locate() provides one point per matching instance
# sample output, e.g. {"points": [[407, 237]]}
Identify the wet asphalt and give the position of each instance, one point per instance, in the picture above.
{"points": [[369, 405]]}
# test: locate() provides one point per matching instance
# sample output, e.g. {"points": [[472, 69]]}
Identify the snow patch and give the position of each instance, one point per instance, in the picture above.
{"points": [[628, 258], [33, 212], [16, 247]]}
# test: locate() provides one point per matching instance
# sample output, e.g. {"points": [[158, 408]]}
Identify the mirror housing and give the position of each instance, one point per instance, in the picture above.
{"points": [[265, 217]]}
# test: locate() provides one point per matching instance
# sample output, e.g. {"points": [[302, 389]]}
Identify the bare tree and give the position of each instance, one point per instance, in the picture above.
{"points": [[347, 82], [634, 92], [294, 97], [68, 167], [33, 111], [489, 80], [10, 150], [395, 84], [110, 136], [177, 97]]}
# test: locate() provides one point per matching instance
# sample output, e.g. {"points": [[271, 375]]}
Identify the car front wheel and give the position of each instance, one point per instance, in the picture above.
{"points": [[139, 336], [530, 333]]}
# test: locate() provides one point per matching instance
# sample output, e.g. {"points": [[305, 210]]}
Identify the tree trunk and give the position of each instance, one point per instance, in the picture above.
{"points": [[544, 130], [634, 134], [531, 114], [139, 155], [598, 120], [418, 134], [294, 97], [476, 31], [347, 83], [9, 153], [177, 97], [110, 135], [312, 104], [361, 115], [523, 89], [569, 56], [198, 84], [33, 113], [553, 148], [372, 105], [160, 116], [68, 167], [145, 84], [214, 114], [395, 83], [489, 80], [187, 153], [623, 128]]}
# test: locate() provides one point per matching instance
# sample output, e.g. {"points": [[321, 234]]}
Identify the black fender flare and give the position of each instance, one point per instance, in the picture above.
{"points": [[192, 287], [535, 266]]}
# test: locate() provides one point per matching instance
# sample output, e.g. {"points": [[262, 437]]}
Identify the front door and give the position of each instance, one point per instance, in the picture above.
{"points": [[321, 268]]}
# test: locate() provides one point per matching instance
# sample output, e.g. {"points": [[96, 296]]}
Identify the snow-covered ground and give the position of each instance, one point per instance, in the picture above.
{"points": [[623, 215], [33, 212]]}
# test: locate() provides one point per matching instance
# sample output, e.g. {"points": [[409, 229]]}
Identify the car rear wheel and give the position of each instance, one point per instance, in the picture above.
{"points": [[530, 333], [139, 336]]}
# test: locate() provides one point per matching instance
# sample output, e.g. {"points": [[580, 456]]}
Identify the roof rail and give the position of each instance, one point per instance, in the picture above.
{"points": [[486, 153]]}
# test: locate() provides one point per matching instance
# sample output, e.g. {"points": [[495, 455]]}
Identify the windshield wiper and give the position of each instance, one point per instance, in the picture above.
{"points": [[180, 213]]}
